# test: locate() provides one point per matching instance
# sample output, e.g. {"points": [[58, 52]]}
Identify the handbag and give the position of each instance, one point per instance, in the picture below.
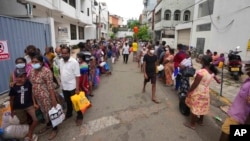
{"points": [[56, 115], [188, 72]]}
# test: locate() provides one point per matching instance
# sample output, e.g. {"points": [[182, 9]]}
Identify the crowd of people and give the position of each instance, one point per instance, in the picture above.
{"points": [[36, 79], [37, 76]]}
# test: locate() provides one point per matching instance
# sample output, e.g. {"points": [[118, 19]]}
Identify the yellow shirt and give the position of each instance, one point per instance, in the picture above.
{"points": [[135, 46]]}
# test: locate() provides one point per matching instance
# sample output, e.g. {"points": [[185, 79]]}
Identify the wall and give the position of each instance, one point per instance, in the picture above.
{"points": [[120, 34], [19, 34], [12, 8], [90, 32], [115, 21]]}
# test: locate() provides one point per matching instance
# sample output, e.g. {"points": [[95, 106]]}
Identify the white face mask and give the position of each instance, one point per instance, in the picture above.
{"points": [[20, 66], [152, 51]]}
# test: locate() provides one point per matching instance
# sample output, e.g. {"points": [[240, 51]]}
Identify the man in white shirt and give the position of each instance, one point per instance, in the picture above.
{"points": [[70, 73]]}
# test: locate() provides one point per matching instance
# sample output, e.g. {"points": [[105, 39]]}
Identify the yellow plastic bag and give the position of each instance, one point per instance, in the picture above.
{"points": [[80, 102], [220, 65]]}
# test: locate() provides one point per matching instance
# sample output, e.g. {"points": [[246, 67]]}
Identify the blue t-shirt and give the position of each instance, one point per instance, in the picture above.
{"points": [[22, 95], [109, 54]]}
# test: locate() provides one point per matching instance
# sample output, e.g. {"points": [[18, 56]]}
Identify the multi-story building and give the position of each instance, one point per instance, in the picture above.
{"points": [[168, 14], [71, 21], [149, 5]]}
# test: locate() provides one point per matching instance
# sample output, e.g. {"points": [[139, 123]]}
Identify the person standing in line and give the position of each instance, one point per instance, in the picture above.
{"points": [[70, 74], [181, 55], [149, 67], [198, 98], [144, 51], [169, 66], [125, 52], [109, 60], [135, 48], [239, 112], [41, 79]]}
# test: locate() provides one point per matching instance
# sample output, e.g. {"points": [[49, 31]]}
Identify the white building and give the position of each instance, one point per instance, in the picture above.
{"points": [[70, 20], [149, 5], [221, 28], [168, 14]]}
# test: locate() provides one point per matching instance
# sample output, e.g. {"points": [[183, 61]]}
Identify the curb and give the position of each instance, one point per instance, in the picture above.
{"points": [[222, 99]]}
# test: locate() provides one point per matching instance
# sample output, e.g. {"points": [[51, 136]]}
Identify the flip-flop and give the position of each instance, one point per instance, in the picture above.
{"points": [[53, 135], [44, 129], [155, 101], [79, 122], [189, 126]]}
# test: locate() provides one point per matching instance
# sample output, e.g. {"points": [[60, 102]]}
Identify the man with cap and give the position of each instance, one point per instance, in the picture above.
{"points": [[22, 102], [239, 111]]}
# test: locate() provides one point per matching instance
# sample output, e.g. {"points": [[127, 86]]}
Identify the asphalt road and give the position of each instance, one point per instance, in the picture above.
{"points": [[121, 112]]}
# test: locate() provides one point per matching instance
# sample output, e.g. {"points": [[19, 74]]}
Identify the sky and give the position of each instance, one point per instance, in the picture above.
{"points": [[125, 8]]}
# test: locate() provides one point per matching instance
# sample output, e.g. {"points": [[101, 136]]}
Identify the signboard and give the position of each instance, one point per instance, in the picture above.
{"points": [[63, 32], [4, 52]]}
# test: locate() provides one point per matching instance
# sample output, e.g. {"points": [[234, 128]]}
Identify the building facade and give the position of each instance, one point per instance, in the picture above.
{"points": [[168, 14], [71, 21], [220, 26]]}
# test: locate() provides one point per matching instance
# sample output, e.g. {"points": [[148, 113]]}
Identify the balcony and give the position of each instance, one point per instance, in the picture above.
{"points": [[68, 10], [44, 3]]}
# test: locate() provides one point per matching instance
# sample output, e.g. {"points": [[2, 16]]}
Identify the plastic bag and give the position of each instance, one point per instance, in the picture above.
{"points": [[160, 67], [80, 102], [102, 64], [14, 120], [113, 60], [16, 131], [5, 115], [56, 115]]}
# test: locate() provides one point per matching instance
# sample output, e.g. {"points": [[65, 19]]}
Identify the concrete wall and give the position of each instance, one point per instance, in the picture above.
{"points": [[173, 5], [230, 27], [12, 8], [120, 34]]}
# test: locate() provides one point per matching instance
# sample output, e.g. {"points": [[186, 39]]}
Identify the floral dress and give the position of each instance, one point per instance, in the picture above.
{"points": [[199, 100], [42, 83]]}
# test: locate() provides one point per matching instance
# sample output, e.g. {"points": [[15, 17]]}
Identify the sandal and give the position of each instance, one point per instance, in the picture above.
{"points": [[53, 134], [155, 101], [189, 126], [43, 130]]}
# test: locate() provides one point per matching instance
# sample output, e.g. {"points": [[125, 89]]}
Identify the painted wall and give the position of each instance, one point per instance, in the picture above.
{"points": [[173, 5], [121, 34], [230, 27], [12, 8]]}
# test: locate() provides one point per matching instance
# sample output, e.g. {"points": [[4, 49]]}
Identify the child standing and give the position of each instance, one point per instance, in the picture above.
{"points": [[22, 102]]}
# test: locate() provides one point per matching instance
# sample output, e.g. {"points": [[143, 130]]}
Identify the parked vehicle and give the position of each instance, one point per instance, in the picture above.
{"points": [[234, 63]]}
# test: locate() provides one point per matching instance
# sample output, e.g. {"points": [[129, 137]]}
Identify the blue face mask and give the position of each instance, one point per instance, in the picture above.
{"points": [[36, 66], [20, 66]]}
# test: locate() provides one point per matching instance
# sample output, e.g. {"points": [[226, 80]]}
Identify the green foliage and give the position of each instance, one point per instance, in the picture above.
{"points": [[115, 29], [143, 33], [132, 23], [112, 36]]}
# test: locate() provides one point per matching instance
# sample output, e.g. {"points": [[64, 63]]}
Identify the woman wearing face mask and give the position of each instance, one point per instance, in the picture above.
{"points": [[239, 112], [20, 64], [42, 87], [168, 66]]}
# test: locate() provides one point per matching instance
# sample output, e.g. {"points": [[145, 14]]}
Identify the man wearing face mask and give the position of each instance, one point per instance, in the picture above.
{"points": [[70, 73], [20, 64], [239, 112], [149, 67]]}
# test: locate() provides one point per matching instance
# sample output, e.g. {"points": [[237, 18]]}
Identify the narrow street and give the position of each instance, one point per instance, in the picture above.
{"points": [[121, 112]]}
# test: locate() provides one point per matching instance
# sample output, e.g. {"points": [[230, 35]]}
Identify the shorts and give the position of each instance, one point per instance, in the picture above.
{"points": [[22, 114], [226, 125], [151, 78]]}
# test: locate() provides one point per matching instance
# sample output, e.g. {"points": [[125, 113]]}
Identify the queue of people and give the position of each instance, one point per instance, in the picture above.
{"points": [[37, 80]]}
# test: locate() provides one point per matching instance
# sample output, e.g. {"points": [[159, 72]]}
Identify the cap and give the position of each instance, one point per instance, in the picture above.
{"points": [[20, 72]]}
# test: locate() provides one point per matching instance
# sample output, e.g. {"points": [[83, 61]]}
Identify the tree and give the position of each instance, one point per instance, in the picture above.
{"points": [[132, 23], [143, 33], [115, 29]]}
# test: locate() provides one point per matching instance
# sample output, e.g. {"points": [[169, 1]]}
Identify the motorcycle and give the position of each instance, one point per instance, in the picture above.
{"points": [[235, 63]]}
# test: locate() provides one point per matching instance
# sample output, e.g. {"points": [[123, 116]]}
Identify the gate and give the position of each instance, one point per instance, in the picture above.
{"points": [[19, 34]]}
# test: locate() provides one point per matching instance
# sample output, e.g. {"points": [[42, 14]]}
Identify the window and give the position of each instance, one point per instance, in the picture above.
{"points": [[73, 31], [167, 15], [158, 16], [88, 11], [186, 16], [72, 3], [81, 32], [204, 27], [104, 26], [177, 15], [206, 8]]}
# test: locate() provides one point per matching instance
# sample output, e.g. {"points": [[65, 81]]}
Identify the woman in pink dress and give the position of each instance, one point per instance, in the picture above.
{"points": [[43, 89], [198, 98]]}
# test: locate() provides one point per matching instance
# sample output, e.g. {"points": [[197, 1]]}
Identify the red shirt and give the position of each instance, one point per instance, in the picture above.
{"points": [[181, 55]]}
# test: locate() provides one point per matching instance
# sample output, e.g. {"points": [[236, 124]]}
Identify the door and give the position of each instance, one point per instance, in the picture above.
{"points": [[200, 44], [183, 36]]}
